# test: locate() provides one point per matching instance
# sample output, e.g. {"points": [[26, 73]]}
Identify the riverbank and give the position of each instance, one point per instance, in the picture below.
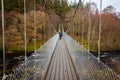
{"points": [[12, 59], [110, 58]]}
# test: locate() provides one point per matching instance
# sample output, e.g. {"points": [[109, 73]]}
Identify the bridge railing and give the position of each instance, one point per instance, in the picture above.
{"points": [[87, 65], [34, 67]]}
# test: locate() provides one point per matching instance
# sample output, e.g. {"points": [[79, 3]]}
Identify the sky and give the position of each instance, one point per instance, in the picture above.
{"points": [[105, 3]]}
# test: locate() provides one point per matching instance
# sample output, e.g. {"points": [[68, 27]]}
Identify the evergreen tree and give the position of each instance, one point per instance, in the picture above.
{"points": [[13, 5]]}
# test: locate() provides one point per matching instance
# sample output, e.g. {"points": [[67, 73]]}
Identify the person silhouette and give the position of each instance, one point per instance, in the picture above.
{"points": [[60, 35]]}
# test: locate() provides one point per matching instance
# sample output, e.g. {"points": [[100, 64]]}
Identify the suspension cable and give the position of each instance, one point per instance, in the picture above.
{"points": [[3, 40], [49, 15], [72, 18], [76, 9], [35, 32], [100, 25], [25, 39], [89, 27]]}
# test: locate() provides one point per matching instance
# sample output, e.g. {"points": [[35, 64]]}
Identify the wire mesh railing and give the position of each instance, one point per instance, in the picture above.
{"points": [[87, 65], [34, 67]]}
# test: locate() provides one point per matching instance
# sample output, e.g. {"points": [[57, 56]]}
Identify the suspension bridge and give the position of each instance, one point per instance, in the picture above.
{"points": [[59, 59]]}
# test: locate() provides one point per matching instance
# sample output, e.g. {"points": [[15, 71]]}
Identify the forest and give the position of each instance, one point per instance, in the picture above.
{"points": [[58, 13]]}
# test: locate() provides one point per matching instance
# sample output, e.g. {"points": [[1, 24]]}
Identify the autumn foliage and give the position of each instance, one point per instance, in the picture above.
{"points": [[82, 25]]}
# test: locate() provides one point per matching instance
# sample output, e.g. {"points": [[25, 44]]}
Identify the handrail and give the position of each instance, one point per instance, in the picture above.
{"points": [[87, 64], [35, 65]]}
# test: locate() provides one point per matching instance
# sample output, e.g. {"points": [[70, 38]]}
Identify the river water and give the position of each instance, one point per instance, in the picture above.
{"points": [[112, 59], [12, 60]]}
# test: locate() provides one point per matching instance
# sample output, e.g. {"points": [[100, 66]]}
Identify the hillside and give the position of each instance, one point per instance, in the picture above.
{"points": [[44, 18], [79, 26], [57, 14]]}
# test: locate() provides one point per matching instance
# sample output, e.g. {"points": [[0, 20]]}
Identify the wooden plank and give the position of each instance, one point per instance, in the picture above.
{"points": [[57, 68], [72, 68], [51, 66], [68, 67], [48, 66], [61, 66], [65, 67], [74, 71], [54, 67], [61, 63]]}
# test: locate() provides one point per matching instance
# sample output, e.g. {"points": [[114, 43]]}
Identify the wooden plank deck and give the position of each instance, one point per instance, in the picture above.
{"points": [[61, 66]]}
